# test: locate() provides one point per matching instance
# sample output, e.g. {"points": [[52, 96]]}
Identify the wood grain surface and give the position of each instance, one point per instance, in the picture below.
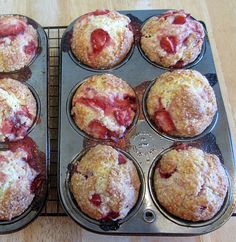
{"points": [[219, 17]]}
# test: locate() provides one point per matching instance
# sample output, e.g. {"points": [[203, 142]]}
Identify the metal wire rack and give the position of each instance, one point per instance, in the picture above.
{"points": [[52, 206]]}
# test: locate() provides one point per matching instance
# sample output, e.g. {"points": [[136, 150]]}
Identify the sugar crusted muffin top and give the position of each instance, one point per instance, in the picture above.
{"points": [[104, 106], [18, 43], [17, 111], [16, 177], [105, 183], [181, 103], [172, 39], [190, 183], [102, 39]]}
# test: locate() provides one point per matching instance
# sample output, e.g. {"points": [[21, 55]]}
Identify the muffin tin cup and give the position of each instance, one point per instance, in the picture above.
{"points": [[35, 25], [105, 225], [176, 219], [83, 133], [68, 37], [37, 81], [143, 143], [189, 65], [170, 137]]}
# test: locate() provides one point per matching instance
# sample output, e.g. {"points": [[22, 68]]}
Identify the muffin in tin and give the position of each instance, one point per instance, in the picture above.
{"points": [[104, 106], [172, 39], [16, 180], [102, 39], [190, 183], [181, 103], [17, 110], [105, 183], [18, 43]]}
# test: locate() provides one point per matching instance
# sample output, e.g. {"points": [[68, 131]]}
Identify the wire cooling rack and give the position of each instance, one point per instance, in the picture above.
{"points": [[52, 206]]}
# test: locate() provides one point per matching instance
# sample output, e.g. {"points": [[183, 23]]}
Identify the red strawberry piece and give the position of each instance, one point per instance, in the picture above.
{"points": [[164, 121], [2, 158], [181, 147], [168, 43], [3, 177], [179, 64], [36, 184], [30, 48], [123, 117], [96, 199], [93, 103], [111, 215], [11, 26], [100, 12], [167, 14], [7, 126], [99, 38], [166, 175], [98, 129], [179, 19], [121, 159]]}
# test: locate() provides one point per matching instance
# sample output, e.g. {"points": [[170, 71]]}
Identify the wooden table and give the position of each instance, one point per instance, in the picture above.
{"points": [[219, 17]]}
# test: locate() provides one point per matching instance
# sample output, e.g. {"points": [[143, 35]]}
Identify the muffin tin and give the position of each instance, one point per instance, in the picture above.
{"points": [[142, 143], [35, 76]]}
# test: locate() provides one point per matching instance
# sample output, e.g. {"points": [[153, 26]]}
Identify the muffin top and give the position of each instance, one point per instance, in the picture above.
{"points": [[16, 177], [105, 183], [104, 106], [18, 43], [181, 103], [17, 110], [102, 39], [190, 183], [172, 39]]}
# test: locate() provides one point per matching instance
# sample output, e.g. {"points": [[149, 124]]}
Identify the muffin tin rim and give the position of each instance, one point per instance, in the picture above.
{"points": [[175, 219]]}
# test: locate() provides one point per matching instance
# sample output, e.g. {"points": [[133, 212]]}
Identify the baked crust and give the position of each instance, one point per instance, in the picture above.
{"points": [[17, 111], [188, 99], [105, 183], [118, 39], [104, 106], [169, 44], [18, 43], [16, 177], [190, 184]]}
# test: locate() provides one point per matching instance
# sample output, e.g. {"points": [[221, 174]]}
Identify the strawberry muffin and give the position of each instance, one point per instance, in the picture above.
{"points": [[102, 39], [172, 39], [104, 106], [18, 43], [17, 110], [16, 180], [190, 183], [181, 103], [105, 183]]}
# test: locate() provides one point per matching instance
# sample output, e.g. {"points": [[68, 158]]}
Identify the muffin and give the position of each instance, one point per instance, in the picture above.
{"points": [[16, 178], [17, 110], [105, 183], [172, 39], [18, 43], [181, 103], [104, 106], [102, 39], [190, 183]]}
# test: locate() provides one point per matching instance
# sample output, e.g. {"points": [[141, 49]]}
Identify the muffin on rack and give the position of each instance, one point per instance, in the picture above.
{"points": [[190, 183], [105, 183], [181, 103], [16, 179], [102, 39], [104, 106], [17, 110], [18, 43], [172, 39]]}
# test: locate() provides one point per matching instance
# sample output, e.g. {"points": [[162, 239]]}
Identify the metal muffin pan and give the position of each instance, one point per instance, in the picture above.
{"points": [[35, 76], [145, 144]]}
